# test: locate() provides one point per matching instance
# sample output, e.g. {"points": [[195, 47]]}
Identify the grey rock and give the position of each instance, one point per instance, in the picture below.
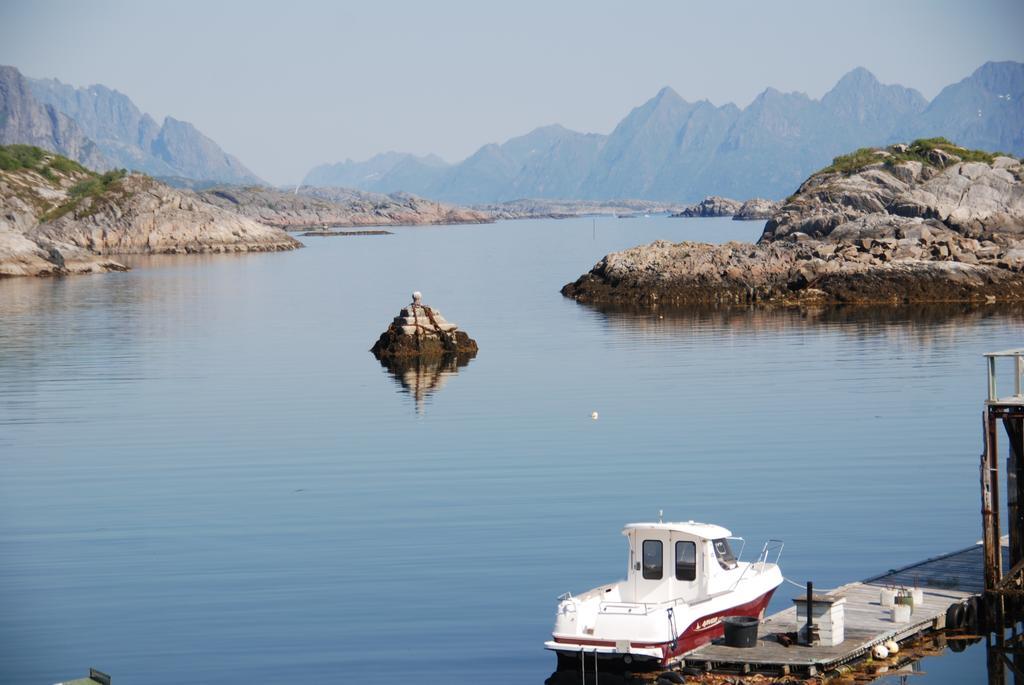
{"points": [[870, 236], [970, 198], [316, 207], [712, 206], [45, 230], [143, 216], [757, 209]]}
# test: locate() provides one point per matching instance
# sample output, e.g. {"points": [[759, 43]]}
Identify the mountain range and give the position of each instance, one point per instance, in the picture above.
{"points": [[669, 149], [102, 129]]}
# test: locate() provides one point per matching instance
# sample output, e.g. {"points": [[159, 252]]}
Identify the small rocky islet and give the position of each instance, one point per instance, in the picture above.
{"points": [[310, 206], [925, 222], [420, 332], [754, 209]]}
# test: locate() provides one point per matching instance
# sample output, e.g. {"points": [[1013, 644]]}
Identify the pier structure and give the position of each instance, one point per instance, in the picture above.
{"points": [[1004, 583], [976, 592], [948, 587]]}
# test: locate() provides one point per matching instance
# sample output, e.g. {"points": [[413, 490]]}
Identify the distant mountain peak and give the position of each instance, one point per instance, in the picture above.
{"points": [[670, 149], [131, 138], [858, 76], [26, 120], [666, 97]]}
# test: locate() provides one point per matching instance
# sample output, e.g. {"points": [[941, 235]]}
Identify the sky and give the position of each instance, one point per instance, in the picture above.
{"points": [[289, 85]]}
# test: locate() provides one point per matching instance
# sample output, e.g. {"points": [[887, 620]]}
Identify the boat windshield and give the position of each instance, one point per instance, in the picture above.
{"points": [[723, 552]]}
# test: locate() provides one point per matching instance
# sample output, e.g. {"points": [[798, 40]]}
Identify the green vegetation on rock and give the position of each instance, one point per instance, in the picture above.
{"points": [[934, 152], [14, 157], [93, 187], [59, 171]]}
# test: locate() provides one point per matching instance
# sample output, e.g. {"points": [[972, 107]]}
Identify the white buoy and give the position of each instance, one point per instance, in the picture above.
{"points": [[879, 652], [892, 646], [593, 415]]}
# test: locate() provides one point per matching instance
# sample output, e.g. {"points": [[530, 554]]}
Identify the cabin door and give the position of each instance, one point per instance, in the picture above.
{"points": [[687, 574], [651, 572]]}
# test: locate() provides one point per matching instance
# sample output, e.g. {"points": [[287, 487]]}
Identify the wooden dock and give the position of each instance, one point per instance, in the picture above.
{"points": [[946, 580]]}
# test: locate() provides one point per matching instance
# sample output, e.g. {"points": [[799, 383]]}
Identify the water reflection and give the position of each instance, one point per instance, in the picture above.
{"points": [[906, 666], [421, 377], [921, 323]]}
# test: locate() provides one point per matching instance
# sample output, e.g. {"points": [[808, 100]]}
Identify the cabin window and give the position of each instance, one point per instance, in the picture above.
{"points": [[726, 559], [653, 562], [686, 560]]}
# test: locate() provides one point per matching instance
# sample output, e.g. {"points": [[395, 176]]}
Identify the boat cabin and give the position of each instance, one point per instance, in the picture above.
{"points": [[669, 561]]}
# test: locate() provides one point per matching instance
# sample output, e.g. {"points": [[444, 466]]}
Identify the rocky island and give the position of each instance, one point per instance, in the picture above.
{"points": [[59, 218], [420, 331], [311, 206], [711, 206], [754, 209], [925, 222], [567, 209]]}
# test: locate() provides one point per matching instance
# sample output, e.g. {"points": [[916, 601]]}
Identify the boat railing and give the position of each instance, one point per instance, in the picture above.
{"points": [[770, 547], [1017, 359], [743, 545]]}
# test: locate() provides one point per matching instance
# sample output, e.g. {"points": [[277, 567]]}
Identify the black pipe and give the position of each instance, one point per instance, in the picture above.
{"points": [[810, 607]]}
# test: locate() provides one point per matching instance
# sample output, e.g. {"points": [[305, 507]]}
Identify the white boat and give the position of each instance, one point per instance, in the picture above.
{"points": [[682, 580]]}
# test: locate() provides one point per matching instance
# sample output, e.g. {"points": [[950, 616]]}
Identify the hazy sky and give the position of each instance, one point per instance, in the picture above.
{"points": [[287, 85]]}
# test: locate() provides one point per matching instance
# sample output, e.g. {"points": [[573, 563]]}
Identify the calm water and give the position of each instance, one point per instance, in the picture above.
{"points": [[205, 476]]}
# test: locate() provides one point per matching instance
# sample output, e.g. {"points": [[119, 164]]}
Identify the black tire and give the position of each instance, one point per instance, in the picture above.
{"points": [[955, 617], [980, 614], [957, 645], [672, 677], [971, 616]]}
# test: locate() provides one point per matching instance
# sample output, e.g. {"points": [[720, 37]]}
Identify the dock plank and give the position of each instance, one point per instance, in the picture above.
{"points": [[944, 580]]}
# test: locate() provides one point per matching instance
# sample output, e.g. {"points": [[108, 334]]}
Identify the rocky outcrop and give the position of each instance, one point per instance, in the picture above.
{"points": [[976, 198], [565, 209], [421, 332], [57, 218], [26, 121], [21, 256], [139, 215], [924, 269], [757, 209], [315, 207], [710, 206], [907, 224]]}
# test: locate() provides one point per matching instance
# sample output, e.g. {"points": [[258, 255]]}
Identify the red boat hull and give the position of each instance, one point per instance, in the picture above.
{"points": [[699, 633]]}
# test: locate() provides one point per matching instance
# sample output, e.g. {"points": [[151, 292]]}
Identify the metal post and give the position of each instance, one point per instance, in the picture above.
{"points": [[1014, 425], [991, 379], [990, 520], [810, 612], [995, 665]]}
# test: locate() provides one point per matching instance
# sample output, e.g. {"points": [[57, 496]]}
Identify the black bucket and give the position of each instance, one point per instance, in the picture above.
{"points": [[740, 631]]}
